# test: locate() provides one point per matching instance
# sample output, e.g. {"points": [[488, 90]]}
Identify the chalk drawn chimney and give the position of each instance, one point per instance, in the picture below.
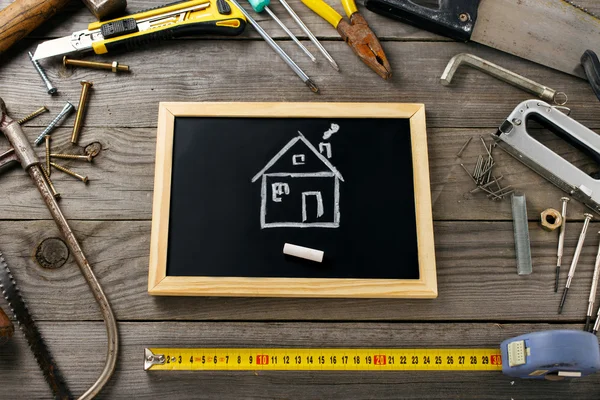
{"points": [[303, 193], [325, 148]]}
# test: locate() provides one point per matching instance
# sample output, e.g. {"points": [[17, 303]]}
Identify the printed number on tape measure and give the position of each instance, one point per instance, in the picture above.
{"points": [[182, 359]]}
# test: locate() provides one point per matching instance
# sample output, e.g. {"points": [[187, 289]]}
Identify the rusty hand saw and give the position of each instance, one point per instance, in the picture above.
{"points": [[554, 33]]}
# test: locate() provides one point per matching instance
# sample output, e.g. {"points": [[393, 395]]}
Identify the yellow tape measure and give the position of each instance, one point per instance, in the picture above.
{"points": [[245, 359]]}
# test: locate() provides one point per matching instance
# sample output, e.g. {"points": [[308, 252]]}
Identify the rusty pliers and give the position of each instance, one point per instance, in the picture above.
{"points": [[357, 34]]}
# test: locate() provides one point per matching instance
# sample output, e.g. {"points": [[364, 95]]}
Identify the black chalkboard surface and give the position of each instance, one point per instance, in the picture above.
{"points": [[242, 187]]}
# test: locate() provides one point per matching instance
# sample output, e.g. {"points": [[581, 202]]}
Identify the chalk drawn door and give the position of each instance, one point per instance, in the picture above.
{"points": [[312, 206]]}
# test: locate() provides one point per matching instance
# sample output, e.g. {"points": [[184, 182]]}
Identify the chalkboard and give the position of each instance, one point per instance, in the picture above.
{"points": [[236, 181]]}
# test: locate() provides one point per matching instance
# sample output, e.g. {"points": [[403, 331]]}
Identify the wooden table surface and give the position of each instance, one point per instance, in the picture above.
{"points": [[481, 299]]}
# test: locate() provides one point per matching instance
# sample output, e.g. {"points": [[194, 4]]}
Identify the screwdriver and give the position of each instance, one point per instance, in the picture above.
{"points": [[310, 34], [593, 290], [575, 260], [260, 5], [277, 49]]}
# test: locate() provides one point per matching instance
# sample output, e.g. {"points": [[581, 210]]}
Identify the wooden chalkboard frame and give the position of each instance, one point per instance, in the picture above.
{"points": [[161, 284]]}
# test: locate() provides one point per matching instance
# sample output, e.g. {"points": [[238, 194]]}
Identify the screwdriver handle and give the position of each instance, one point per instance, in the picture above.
{"points": [[259, 5]]}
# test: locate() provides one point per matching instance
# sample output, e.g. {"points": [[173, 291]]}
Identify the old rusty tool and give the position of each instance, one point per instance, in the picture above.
{"points": [[503, 74], [356, 33], [39, 348], [22, 152]]}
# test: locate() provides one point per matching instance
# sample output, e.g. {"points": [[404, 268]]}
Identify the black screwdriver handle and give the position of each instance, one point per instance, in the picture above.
{"points": [[454, 18]]}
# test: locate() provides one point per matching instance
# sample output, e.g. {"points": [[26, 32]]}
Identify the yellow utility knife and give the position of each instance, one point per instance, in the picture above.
{"points": [[180, 19]]}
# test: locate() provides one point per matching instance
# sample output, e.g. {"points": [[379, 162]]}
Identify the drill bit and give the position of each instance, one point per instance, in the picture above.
{"points": [[588, 217]]}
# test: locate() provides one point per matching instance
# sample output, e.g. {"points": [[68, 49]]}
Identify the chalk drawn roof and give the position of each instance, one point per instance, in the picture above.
{"points": [[289, 146]]}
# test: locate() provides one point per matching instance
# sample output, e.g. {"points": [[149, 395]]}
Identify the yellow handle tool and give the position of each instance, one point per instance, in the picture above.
{"points": [[329, 14], [180, 19]]}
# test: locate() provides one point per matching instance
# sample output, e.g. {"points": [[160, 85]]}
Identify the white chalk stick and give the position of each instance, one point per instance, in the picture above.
{"points": [[303, 252]]}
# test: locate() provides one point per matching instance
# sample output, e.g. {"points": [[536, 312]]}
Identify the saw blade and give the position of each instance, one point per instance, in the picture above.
{"points": [[585, 10], [554, 33], [40, 351]]}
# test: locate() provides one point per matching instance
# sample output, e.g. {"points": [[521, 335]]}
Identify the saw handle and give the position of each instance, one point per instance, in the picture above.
{"points": [[454, 18], [591, 65]]}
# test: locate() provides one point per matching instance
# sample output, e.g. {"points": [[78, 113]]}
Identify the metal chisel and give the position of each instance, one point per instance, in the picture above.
{"points": [[554, 33]]}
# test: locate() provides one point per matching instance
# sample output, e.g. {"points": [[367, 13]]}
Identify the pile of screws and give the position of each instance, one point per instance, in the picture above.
{"points": [[50, 164], [482, 174]]}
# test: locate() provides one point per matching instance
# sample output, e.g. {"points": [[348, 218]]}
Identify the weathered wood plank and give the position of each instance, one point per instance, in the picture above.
{"points": [[122, 178], [477, 279], [79, 350], [234, 70]]}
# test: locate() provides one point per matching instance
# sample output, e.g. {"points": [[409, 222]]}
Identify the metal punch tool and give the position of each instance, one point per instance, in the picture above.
{"points": [[543, 92]]}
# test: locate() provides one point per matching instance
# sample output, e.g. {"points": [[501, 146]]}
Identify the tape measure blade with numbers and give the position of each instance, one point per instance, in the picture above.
{"points": [[316, 359], [553, 355]]}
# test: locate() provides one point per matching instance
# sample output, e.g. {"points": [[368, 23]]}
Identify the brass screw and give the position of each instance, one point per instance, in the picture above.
{"points": [[52, 188], [114, 66], [67, 171], [31, 116], [85, 87], [48, 154], [87, 158]]}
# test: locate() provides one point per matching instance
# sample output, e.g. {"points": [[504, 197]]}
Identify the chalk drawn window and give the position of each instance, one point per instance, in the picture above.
{"points": [[298, 159]]}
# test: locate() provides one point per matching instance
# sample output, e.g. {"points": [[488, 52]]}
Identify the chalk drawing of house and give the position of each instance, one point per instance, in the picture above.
{"points": [[300, 188]]}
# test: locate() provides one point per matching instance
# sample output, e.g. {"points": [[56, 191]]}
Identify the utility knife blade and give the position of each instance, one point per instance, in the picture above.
{"points": [[179, 19], [554, 33]]}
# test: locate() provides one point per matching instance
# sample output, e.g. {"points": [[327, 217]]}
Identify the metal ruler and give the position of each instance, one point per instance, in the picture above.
{"points": [[316, 359]]}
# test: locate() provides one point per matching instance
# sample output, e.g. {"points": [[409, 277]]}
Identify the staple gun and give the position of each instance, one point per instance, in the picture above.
{"points": [[513, 137]]}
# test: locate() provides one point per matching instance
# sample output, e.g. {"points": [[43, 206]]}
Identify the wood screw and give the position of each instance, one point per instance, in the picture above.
{"points": [[52, 188], [114, 66], [87, 158], [40, 70], [31, 116], [65, 111], [67, 171]]}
